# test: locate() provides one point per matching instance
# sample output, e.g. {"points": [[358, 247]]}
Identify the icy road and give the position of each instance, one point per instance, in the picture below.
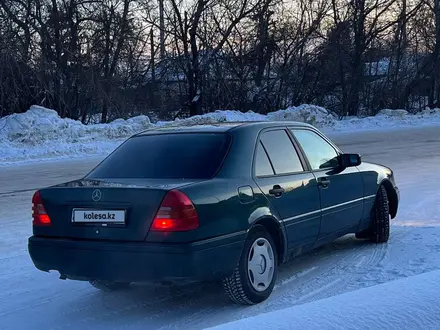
{"points": [[30, 299]]}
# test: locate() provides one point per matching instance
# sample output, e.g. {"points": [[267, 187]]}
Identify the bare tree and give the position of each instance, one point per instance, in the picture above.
{"points": [[125, 57]]}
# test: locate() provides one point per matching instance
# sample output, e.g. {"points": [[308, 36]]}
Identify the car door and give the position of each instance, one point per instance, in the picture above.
{"points": [[279, 173], [341, 192]]}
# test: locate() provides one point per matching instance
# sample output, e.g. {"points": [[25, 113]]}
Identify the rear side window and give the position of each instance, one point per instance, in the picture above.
{"points": [[262, 163], [281, 152], [166, 156]]}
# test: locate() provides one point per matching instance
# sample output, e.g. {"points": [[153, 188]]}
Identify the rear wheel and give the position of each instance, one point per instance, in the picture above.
{"points": [[254, 278], [109, 286], [379, 230]]}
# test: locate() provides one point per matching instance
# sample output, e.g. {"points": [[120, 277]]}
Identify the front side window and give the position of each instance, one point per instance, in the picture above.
{"points": [[319, 152]]}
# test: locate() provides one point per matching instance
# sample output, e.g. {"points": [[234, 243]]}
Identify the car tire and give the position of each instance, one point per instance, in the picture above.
{"points": [[379, 231], [254, 277], [381, 217], [109, 286]]}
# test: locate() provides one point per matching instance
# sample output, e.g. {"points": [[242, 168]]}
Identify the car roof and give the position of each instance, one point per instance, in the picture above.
{"points": [[220, 127]]}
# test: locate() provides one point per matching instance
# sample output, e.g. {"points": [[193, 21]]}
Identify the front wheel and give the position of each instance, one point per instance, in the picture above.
{"points": [[381, 217], [379, 230], [254, 278], [109, 286]]}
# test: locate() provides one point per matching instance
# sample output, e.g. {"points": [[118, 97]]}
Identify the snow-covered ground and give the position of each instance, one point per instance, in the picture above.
{"points": [[408, 303], [30, 299], [40, 133]]}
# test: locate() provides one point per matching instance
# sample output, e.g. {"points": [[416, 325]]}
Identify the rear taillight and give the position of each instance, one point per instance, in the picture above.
{"points": [[176, 213], [39, 215]]}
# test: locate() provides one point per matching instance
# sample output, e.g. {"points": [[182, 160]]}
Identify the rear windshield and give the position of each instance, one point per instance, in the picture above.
{"points": [[168, 156]]}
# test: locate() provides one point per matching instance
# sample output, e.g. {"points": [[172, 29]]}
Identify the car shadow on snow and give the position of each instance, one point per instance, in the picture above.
{"points": [[188, 305]]}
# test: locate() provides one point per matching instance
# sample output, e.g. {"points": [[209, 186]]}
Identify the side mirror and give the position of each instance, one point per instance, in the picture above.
{"points": [[349, 160]]}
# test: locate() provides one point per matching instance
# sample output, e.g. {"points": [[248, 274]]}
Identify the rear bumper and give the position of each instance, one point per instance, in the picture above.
{"points": [[137, 262]]}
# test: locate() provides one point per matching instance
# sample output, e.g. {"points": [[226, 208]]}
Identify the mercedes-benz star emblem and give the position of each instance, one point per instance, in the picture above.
{"points": [[262, 264], [96, 195]]}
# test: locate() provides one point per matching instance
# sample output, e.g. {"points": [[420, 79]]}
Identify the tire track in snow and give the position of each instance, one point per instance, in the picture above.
{"points": [[340, 264], [316, 275]]}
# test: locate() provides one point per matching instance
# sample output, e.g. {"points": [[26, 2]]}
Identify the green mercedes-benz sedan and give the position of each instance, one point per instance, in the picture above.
{"points": [[229, 202]]}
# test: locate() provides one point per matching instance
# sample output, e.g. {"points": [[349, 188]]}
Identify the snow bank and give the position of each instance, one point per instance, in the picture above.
{"points": [[218, 116], [391, 112], [311, 114], [39, 124], [40, 133], [387, 119], [410, 303]]}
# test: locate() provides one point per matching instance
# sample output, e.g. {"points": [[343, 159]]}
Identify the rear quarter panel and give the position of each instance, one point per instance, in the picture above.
{"points": [[221, 211]]}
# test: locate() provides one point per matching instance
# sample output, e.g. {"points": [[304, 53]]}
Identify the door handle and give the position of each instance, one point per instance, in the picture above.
{"points": [[323, 182], [277, 191]]}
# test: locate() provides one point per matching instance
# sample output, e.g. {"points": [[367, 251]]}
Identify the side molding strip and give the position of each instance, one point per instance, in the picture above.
{"points": [[299, 216], [219, 238]]}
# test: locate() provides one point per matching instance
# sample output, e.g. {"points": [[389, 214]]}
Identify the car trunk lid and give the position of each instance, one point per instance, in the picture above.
{"points": [[116, 209]]}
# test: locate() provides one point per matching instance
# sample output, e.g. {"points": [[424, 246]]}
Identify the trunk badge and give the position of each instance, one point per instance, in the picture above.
{"points": [[96, 195]]}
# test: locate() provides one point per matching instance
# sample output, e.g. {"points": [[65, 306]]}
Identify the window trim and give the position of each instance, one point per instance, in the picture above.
{"points": [[268, 158], [323, 137], [299, 153]]}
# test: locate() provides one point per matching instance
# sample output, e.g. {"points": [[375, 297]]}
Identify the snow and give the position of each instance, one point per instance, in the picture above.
{"points": [[409, 303], [31, 136], [391, 112], [219, 116], [386, 119], [347, 270], [310, 114], [40, 133]]}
